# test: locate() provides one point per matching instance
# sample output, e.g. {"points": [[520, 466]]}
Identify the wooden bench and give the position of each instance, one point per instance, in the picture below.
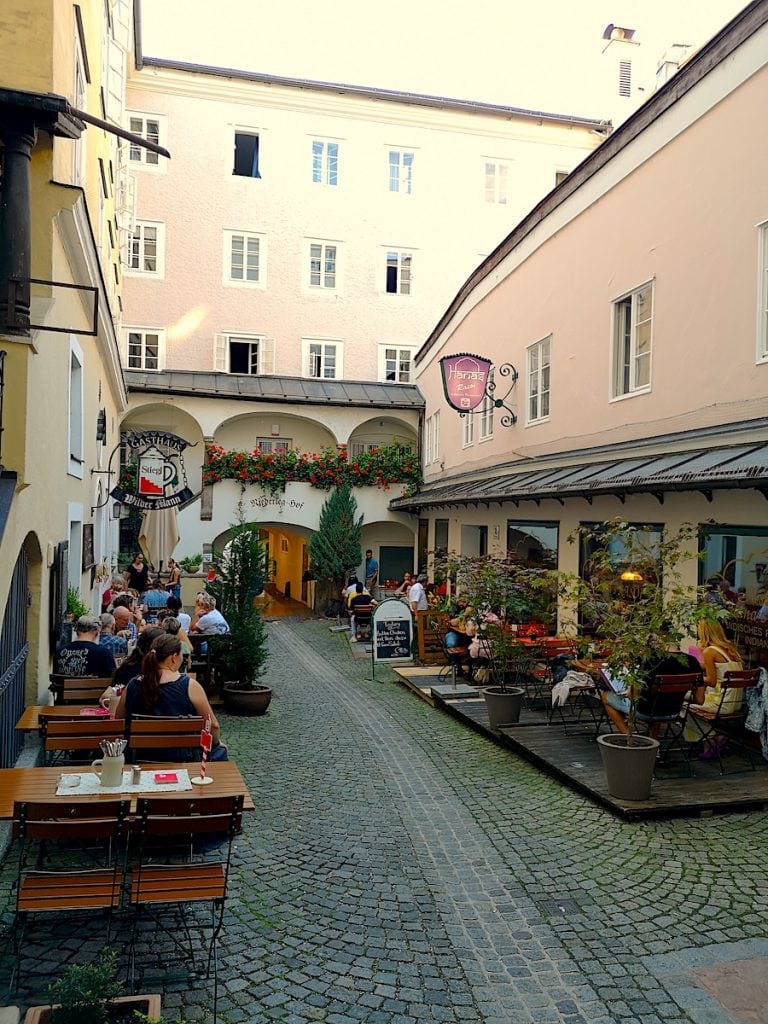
{"points": [[85, 690], [80, 735], [158, 734]]}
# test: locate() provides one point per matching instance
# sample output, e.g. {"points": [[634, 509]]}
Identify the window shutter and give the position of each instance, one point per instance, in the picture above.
{"points": [[267, 355], [220, 353]]}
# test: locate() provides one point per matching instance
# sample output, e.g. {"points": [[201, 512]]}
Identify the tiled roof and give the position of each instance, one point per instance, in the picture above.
{"points": [[296, 390]]}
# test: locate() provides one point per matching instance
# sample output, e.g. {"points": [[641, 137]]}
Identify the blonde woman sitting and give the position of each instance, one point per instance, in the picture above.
{"points": [[718, 656]]}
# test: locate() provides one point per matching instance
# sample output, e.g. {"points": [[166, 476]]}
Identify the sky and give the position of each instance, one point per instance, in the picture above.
{"points": [[539, 54]]}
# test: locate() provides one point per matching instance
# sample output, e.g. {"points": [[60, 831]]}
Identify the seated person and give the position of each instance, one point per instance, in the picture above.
{"points": [[131, 666], [173, 604], [617, 705], [457, 640], [405, 586], [154, 599], [162, 690], [206, 619], [123, 608], [173, 626], [718, 656], [84, 656], [359, 599], [108, 638]]}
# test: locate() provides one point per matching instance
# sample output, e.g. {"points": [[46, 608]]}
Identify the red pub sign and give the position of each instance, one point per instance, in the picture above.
{"points": [[465, 378]]}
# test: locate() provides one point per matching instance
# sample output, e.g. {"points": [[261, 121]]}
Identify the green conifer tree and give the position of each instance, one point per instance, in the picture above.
{"points": [[334, 549]]}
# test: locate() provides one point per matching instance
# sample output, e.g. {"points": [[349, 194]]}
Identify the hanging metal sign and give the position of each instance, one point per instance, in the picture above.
{"points": [[468, 381], [160, 477], [465, 378]]}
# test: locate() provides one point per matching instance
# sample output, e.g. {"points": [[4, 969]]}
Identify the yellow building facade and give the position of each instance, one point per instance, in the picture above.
{"points": [[64, 212]]}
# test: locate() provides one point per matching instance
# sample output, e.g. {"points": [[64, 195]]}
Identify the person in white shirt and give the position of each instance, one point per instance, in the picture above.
{"points": [[207, 619], [417, 596]]}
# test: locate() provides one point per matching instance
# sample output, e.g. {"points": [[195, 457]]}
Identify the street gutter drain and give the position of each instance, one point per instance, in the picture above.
{"points": [[558, 908]]}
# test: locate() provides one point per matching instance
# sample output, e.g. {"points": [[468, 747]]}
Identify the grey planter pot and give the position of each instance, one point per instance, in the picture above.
{"points": [[628, 770], [503, 705]]}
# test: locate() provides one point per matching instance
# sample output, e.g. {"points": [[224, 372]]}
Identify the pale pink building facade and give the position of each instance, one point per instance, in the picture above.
{"points": [[304, 237], [632, 303]]}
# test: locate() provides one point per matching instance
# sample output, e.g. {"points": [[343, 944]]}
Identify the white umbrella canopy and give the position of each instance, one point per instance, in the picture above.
{"points": [[158, 536]]}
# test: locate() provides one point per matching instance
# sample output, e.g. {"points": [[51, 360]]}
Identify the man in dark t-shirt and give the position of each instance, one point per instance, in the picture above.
{"points": [[84, 656]]}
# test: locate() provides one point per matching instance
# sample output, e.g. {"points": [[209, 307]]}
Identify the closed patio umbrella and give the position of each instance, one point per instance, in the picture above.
{"points": [[158, 536]]}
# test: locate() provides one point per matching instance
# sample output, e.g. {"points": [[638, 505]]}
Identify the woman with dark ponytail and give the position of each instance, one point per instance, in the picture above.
{"points": [[164, 690]]}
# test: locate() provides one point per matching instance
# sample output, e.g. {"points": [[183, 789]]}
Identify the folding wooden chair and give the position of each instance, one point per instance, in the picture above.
{"points": [[77, 736], [363, 621], [64, 890], [662, 713], [153, 738], [85, 690], [157, 889], [726, 724]]}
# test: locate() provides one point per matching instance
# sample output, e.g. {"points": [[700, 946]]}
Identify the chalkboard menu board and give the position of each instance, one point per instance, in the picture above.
{"points": [[392, 631]]}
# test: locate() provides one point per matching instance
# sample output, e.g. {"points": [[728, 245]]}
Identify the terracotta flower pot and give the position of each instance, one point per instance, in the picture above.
{"points": [[149, 1005]]}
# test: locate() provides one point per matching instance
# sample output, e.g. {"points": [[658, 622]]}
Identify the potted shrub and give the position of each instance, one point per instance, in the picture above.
{"points": [[632, 598], [502, 699], [513, 593], [90, 994], [240, 656]]}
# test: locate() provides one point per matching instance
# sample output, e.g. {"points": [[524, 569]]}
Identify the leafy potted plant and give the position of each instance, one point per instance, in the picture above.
{"points": [[503, 700], [240, 656], [632, 598], [90, 994], [502, 593]]}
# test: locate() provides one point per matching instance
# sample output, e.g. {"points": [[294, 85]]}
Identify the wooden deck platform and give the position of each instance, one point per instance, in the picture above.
{"points": [[574, 759]]}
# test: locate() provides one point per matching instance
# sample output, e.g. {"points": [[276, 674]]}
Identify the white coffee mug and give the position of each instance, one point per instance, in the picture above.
{"points": [[111, 770]]}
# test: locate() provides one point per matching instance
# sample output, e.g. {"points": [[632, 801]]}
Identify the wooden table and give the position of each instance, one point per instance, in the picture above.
{"points": [[30, 719], [40, 784]]}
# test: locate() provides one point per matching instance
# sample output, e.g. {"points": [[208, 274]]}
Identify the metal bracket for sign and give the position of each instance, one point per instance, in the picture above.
{"points": [[508, 419]]}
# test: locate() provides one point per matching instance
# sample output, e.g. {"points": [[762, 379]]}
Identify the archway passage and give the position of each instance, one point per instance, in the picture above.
{"points": [[289, 591], [14, 649]]}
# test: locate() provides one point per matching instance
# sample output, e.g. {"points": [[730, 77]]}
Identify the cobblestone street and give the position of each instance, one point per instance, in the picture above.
{"points": [[400, 869]]}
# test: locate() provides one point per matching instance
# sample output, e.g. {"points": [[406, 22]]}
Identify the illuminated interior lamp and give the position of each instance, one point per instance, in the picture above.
{"points": [[629, 576]]}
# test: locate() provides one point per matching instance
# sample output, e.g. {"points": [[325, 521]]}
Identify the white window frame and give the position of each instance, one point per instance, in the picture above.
{"points": [[624, 349], [143, 332], [539, 381], [316, 267], [432, 439], [403, 258], [399, 351], [467, 430], [271, 445], [310, 356], [496, 179], [138, 156], [265, 354], [485, 415], [325, 162], [230, 234], [400, 171], [75, 418], [140, 251], [762, 292]]}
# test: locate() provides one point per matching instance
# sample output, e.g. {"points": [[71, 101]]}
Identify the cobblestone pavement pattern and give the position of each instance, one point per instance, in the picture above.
{"points": [[401, 869]]}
